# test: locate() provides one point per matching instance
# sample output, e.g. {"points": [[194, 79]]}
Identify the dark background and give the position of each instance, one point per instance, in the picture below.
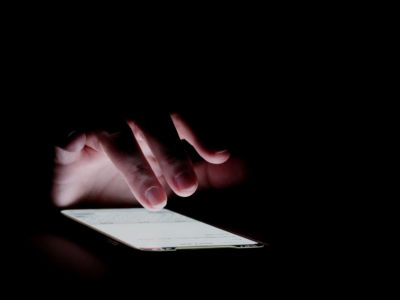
{"points": [[282, 143], [270, 94]]}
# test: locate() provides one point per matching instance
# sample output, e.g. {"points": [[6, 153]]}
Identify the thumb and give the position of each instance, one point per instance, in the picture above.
{"points": [[71, 150]]}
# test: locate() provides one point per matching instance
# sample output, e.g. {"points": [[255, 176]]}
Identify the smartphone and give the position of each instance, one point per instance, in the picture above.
{"points": [[163, 230]]}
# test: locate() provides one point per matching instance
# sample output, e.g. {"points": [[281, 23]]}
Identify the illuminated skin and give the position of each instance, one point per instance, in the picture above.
{"points": [[138, 163]]}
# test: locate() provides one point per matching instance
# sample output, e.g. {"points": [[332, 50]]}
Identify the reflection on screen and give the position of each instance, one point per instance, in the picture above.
{"points": [[142, 229]]}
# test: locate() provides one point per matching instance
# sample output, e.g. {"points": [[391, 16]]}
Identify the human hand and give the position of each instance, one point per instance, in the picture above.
{"points": [[138, 162]]}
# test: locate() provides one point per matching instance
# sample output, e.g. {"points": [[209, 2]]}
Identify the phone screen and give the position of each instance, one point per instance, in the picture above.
{"points": [[163, 230]]}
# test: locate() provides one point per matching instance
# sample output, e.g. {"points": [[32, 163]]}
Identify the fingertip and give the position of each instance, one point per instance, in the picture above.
{"points": [[222, 156], [156, 198], [185, 183], [76, 143], [156, 207], [70, 152], [217, 157]]}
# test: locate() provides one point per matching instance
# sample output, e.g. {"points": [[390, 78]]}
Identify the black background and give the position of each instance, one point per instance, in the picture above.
{"points": [[270, 94]]}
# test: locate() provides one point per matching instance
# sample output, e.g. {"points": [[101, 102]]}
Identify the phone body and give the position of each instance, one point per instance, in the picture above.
{"points": [[163, 230]]}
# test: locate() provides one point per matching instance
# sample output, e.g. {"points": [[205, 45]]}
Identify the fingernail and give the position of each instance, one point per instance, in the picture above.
{"points": [[222, 152], [64, 139], [154, 195], [185, 180]]}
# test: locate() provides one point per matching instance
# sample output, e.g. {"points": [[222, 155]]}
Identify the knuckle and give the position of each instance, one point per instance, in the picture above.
{"points": [[139, 169]]}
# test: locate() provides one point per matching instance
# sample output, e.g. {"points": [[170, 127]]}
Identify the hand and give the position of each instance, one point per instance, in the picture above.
{"points": [[138, 162]]}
